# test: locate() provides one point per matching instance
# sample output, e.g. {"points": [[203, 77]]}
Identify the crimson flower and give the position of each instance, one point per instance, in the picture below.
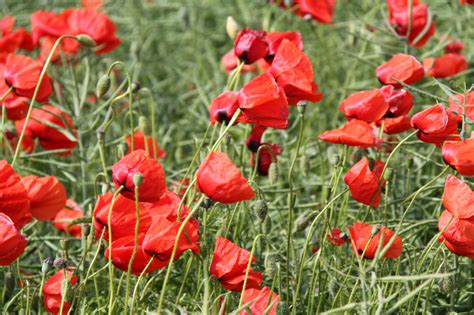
{"points": [[219, 179], [229, 266], [365, 183], [395, 125], [445, 66], [275, 39], [47, 196], [255, 138], [454, 47], [153, 185], [365, 241], [368, 106], [460, 156], [262, 298], [150, 145], [401, 67], [461, 103], [355, 132], [265, 158], [63, 219], [400, 101], [223, 107], [12, 242], [336, 237], [53, 292], [250, 45], [230, 61], [319, 10], [436, 125]]}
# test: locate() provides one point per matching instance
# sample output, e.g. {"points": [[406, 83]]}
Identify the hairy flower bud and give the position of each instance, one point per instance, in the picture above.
{"points": [[144, 125], [273, 173], [260, 208], [103, 86], [137, 179], [86, 41], [48, 262], [231, 27], [64, 244], [304, 165]]}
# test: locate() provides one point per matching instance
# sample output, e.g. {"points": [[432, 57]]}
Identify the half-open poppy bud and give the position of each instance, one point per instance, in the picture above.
{"points": [[219, 179], [445, 66], [401, 67], [14, 200], [319, 10], [355, 132], [436, 125], [229, 265], [53, 292], [12, 242], [262, 299], [460, 156], [153, 185], [368, 106], [47, 196], [250, 45], [365, 183], [400, 101], [63, 219], [463, 104], [264, 103], [293, 71], [365, 242], [150, 145]]}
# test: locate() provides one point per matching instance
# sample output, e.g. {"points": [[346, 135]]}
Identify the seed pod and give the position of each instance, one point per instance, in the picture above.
{"points": [[260, 208], [144, 125], [267, 225], [304, 165], [137, 179], [86, 41], [86, 230], [48, 262], [9, 282], [301, 107], [231, 27], [273, 173], [270, 264], [103, 86], [135, 87]]}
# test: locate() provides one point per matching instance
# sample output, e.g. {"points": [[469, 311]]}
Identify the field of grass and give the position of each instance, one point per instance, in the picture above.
{"points": [[173, 48]]}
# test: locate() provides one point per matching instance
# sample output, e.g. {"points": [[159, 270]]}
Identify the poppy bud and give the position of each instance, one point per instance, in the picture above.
{"points": [[304, 221], [260, 208], [60, 262], [301, 107], [86, 41], [267, 225], [86, 229], [64, 244], [9, 282], [48, 262], [122, 149], [305, 165], [273, 173], [103, 85], [135, 87], [270, 264], [105, 187], [446, 285], [137, 179], [144, 125], [231, 27]]}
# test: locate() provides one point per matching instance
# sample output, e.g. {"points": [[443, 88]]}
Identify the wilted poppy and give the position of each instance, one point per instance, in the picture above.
{"points": [[264, 103], [365, 183], [250, 45], [293, 71], [436, 125], [355, 132], [395, 125], [230, 61], [336, 237], [255, 138], [401, 67], [223, 107], [460, 156], [400, 101], [63, 219], [219, 179], [47, 196], [153, 185], [14, 200], [12, 242], [229, 266], [445, 66], [320, 10], [263, 298], [53, 292], [22, 74], [274, 40], [151, 146], [161, 236], [463, 104], [265, 157], [368, 106], [365, 239], [415, 23]]}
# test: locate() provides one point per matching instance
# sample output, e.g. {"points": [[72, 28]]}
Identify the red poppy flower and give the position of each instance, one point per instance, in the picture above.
{"points": [[250, 45], [229, 265], [48, 24], [320, 10], [13, 39], [161, 236], [466, 1], [401, 67], [395, 125], [12, 242], [365, 183], [168, 207], [336, 237], [400, 101], [362, 240], [14, 200], [153, 185], [219, 179], [151, 146], [47, 196], [63, 219], [461, 103], [224, 107], [454, 46], [355, 132], [274, 40], [265, 158], [460, 156], [230, 61], [293, 71], [255, 138], [23, 73], [368, 106], [53, 127], [264, 103], [436, 125], [445, 66], [122, 250], [419, 29], [53, 291], [262, 298]]}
